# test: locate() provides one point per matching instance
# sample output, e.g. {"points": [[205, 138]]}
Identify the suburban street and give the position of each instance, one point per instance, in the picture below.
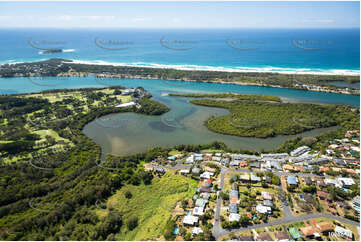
{"points": [[288, 217]]}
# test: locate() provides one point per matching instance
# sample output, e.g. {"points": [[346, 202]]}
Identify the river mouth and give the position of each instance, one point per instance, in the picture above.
{"points": [[184, 124]]}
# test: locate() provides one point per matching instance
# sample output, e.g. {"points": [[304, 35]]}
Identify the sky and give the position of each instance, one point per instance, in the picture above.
{"points": [[180, 14]]}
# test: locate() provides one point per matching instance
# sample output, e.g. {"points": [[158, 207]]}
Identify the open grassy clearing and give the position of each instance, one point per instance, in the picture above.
{"points": [[151, 204]]}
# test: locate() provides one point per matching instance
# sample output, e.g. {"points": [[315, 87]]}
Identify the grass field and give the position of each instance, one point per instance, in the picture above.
{"points": [[151, 204]]}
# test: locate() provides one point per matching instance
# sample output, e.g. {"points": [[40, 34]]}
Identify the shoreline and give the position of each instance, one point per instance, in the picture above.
{"points": [[309, 88], [190, 67], [299, 81]]}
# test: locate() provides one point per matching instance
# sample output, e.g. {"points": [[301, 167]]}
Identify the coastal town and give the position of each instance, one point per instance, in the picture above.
{"points": [[180, 120], [304, 195]]}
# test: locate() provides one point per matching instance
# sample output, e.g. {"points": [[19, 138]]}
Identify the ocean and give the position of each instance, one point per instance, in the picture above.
{"points": [[321, 51]]}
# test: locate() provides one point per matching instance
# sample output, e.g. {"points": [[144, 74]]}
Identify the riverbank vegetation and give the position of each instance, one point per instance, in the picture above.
{"points": [[255, 117], [258, 98]]}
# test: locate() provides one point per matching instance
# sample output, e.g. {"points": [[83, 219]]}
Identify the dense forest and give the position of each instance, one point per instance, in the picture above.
{"points": [[57, 202], [256, 117]]}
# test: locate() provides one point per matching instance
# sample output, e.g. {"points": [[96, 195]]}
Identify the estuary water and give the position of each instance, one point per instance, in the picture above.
{"points": [[128, 133]]}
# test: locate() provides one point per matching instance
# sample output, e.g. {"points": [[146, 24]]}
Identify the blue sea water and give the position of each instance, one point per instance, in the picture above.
{"points": [[333, 51]]}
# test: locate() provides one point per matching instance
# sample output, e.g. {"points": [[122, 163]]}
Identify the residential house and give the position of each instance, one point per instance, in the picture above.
{"points": [[282, 236], [325, 227], [245, 238], [234, 163], [206, 175], [318, 161], [309, 232], [292, 181], [225, 161], [196, 170], [300, 150], [233, 208], [294, 233], [255, 164], [160, 170], [208, 183], [307, 198], [307, 180], [205, 195], [268, 179], [266, 195], [210, 169], [301, 159], [355, 204], [216, 158], [243, 164], [299, 168], [324, 169], [340, 162], [330, 182], [287, 167], [276, 165], [244, 177], [197, 230], [345, 182], [324, 195], [344, 233], [268, 203], [189, 160], [245, 157], [233, 200], [184, 171], [233, 193], [172, 158], [321, 183], [234, 217], [264, 237], [263, 209], [255, 178], [275, 156], [200, 202], [198, 211], [198, 158], [205, 189], [190, 220]]}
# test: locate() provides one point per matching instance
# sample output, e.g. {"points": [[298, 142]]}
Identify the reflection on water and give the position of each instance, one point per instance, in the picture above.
{"points": [[143, 132]]}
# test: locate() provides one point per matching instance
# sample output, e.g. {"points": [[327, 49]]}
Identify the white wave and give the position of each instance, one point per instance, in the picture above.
{"points": [[270, 69], [69, 50]]}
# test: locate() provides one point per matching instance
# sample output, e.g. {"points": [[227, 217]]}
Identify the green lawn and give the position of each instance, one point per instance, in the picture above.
{"points": [[152, 204]]}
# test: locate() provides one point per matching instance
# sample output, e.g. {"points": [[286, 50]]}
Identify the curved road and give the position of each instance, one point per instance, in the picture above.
{"points": [[288, 216]]}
